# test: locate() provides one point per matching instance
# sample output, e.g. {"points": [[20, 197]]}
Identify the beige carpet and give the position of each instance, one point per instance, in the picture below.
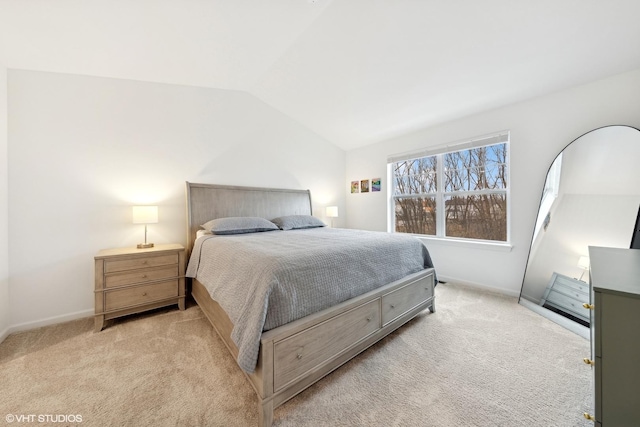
{"points": [[480, 360]]}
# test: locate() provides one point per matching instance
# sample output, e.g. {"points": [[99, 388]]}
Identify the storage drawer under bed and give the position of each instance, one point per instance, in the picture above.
{"points": [[308, 349], [399, 301]]}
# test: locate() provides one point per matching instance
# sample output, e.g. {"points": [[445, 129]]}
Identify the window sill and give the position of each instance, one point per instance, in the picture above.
{"points": [[493, 246]]}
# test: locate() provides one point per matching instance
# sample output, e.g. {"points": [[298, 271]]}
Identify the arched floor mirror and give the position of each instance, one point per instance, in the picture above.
{"points": [[590, 198]]}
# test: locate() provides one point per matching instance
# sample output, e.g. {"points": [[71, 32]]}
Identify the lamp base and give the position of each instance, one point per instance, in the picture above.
{"points": [[145, 245]]}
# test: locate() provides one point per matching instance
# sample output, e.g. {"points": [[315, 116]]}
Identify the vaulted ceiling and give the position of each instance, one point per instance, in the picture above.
{"points": [[353, 71]]}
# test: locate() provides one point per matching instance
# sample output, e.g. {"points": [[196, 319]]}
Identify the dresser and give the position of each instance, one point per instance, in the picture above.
{"points": [[567, 296], [131, 280], [615, 336]]}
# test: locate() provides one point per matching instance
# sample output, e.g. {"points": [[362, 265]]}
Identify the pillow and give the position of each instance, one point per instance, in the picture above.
{"points": [[238, 225], [201, 233], [293, 222]]}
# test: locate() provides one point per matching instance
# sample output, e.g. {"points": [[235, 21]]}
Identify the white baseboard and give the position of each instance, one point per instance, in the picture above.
{"points": [[492, 289], [46, 322], [4, 334]]}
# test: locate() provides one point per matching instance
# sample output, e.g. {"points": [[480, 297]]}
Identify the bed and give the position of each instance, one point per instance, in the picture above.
{"points": [[291, 356]]}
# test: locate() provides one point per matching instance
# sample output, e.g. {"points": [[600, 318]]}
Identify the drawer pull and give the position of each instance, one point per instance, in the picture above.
{"points": [[368, 319], [587, 305], [588, 361], [144, 294], [393, 306], [144, 262], [299, 355], [589, 416], [144, 276]]}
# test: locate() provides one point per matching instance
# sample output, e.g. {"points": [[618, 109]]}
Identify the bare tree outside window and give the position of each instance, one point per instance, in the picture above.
{"points": [[471, 195], [417, 178]]}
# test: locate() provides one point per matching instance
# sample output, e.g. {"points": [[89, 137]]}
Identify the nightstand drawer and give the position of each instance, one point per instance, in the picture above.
{"points": [[141, 276], [576, 285], [140, 295], [570, 291], [567, 303], [112, 266]]}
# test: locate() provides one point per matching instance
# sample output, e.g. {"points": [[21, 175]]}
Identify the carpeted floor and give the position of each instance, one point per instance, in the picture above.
{"points": [[480, 360]]}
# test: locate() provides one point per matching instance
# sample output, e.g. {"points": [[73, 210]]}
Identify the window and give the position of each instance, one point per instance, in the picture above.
{"points": [[549, 194], [459, 193]]}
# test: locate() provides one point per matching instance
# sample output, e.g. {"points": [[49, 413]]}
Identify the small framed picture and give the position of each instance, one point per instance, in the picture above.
{"points": [[355, 186], [364, 186], [375, 184]]}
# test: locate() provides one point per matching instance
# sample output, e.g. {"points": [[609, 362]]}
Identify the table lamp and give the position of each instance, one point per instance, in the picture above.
{"points": [[332, 212], [583, 263], [145, 215]]}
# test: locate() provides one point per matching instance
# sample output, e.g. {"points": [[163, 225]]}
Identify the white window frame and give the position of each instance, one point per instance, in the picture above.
{"points": [[440, 195]]}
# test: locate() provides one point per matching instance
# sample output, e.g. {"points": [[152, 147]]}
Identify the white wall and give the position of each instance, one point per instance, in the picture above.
{"points": [[4, 210], [83, 150], [540, 129]]}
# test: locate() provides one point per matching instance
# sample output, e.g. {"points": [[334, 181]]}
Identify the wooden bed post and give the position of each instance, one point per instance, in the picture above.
{"points": [[265, 413], [265, 378]]}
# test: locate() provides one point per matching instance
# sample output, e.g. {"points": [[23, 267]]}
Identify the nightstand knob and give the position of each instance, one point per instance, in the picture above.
{"points": [[299, 355], [393, 306], [587, 305], [588, 361], [144, 294], [589, 416], [144, 276], [144, 261]]}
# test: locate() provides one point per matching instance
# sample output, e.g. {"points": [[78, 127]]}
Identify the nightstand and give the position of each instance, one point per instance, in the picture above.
{"points": [[566, 296], [131, 280]]}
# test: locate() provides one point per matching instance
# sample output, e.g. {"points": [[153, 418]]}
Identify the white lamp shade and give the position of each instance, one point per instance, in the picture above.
{"points": [[332, 211], [145, 214], [583, 262]]}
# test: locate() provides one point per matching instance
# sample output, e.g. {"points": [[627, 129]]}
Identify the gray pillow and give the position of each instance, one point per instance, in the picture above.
{"points": [[293, 222], [238, 225]]}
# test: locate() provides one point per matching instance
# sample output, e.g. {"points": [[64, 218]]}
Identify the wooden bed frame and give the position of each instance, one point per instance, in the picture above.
{"points": [[294, 356]]}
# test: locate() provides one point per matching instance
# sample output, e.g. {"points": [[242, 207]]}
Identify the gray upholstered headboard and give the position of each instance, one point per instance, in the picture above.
{"points": [[209, 201]]}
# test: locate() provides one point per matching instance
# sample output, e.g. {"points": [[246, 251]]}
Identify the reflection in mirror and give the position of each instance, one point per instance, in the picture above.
{"points": [[590, 198]]}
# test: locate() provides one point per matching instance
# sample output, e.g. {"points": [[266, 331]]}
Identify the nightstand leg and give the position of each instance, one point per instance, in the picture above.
{"points": [[99, 323], [181, 303]]}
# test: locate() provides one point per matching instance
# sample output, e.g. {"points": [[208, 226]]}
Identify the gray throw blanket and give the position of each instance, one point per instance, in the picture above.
{"points": [[267, 279]]}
